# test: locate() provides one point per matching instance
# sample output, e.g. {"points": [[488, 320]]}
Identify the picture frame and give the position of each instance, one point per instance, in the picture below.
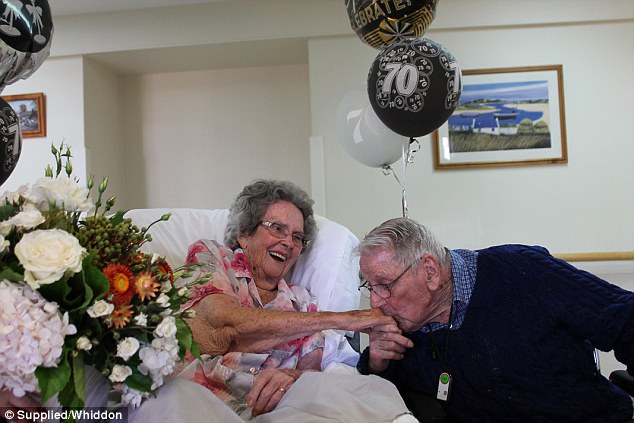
{"points": [[31, 112], [505, 117]]}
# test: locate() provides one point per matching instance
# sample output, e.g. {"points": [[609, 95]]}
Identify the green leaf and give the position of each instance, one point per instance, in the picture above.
{"points": [[57, 292], [184, 336], [139, 382], [7, 210], [195, 349], [68, 398], [53, 379], [11, 275], [95, 279], [78, 377], [117, 218]]}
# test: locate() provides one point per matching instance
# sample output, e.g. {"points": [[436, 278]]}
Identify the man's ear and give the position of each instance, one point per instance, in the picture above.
{"points": [[432, 271]]}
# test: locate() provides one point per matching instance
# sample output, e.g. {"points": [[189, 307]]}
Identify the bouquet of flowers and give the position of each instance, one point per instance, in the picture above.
{"points": [[76, 290]]}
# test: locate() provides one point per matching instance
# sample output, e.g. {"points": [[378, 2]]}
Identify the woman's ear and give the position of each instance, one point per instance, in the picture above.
{"points": [[242, 241]]}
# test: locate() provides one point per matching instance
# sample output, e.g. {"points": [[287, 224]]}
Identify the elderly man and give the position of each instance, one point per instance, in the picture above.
{"points": [[503, 334]]}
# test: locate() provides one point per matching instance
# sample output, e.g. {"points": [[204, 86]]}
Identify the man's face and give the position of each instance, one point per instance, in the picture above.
{"points": [[409, 298]]}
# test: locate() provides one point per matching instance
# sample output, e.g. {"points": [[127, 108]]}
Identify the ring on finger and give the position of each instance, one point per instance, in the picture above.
{"points": [[283, 389]]}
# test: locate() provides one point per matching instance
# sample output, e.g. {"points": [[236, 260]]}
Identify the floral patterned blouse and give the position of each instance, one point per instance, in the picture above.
{"points": [[230, 376]]}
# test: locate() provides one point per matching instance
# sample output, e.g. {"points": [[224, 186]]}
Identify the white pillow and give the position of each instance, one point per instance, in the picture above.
{"points": [[328, 269]]}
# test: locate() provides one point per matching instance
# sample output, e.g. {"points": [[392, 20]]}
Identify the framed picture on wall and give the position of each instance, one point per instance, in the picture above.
{"points": [[31, 112], [505, 117]]}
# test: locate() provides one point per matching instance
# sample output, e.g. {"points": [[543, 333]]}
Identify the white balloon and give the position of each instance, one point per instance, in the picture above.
{"points": [[363, 135]]}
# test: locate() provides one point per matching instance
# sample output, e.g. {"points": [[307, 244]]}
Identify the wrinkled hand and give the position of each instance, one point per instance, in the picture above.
{"points": [[367, 319], [8, 401], [387, 343], [269, 388]]}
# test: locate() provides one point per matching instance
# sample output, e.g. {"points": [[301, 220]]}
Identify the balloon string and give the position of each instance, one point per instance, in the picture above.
{"points": [[407, 157], [388, 170]]}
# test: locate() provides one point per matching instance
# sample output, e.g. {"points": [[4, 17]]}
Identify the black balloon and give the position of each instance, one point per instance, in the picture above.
{"points": [[26, 29], [380, 23], [10, 140], [414, 86]]}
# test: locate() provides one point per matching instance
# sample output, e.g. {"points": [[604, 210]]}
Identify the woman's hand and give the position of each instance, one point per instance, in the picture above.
{"points": [[9, 402], [366, 320], [269, 388]]}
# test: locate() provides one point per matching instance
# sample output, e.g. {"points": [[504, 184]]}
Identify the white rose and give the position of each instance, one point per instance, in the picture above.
{"points": [[127, 347], [64, 192], [100, 308], [166, 328], [28, 218], [119, 373], [47, 254], [83, 343]]}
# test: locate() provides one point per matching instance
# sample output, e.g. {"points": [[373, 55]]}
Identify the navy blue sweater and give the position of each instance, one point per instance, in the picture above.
{"points": [[522, 353]]}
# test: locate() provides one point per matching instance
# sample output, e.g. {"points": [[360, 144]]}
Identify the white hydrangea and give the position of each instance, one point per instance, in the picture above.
{"points": [[63, 192], [159, 359], [32, 334], [131, 396], [47, 254]]}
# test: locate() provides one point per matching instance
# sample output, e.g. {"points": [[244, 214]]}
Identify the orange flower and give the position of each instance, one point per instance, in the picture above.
{"points": [[146, 286], [164, 268], [121, 316], [120, 278]]}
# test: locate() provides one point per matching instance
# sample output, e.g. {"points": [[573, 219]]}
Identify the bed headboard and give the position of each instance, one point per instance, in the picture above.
{"points": [[329, 269]]}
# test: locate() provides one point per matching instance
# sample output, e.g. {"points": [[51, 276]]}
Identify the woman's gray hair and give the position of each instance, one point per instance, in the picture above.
{"points": [[407, 239], [245, 214]]}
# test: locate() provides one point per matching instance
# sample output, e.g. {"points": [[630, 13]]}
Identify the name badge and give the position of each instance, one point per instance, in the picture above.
{"points": [[444, 386]]}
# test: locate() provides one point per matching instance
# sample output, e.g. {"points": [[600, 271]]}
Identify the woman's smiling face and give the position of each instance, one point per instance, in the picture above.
{"points": [[270, 257]]}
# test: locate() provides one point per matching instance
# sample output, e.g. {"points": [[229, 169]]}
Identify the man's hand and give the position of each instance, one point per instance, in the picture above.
{"points": [[386, 343]]}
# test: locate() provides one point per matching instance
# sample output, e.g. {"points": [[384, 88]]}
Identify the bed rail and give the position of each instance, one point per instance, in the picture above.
{"points": [[602, 256]]}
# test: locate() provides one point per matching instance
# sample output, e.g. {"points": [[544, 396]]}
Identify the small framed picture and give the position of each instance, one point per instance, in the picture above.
{"points": [[505, 117], [31, 112]]}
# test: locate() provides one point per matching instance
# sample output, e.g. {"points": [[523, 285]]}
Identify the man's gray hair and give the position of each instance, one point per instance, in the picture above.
{"points": [[407, 239], [245, 214]]}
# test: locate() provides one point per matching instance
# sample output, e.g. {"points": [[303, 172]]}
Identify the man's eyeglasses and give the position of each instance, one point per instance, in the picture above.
{"points": [[383, 291], [281, 231]]}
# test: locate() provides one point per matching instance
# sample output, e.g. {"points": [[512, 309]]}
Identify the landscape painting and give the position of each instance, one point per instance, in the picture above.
{"points": [[510, 116]]}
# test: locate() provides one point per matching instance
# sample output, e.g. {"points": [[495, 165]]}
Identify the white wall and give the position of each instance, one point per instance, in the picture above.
{"points": [[194, 139], [104, 140], [61, 82], [586, 205]]}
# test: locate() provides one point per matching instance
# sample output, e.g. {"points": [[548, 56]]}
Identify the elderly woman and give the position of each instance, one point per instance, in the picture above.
{"points": [[258, 332]]}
